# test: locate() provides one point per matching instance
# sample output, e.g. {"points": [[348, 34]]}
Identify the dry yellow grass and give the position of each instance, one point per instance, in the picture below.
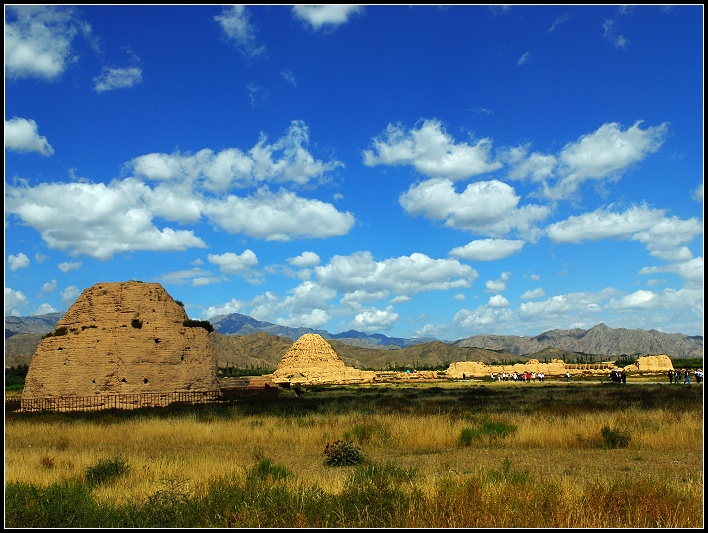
{"points": [[196, 452]]}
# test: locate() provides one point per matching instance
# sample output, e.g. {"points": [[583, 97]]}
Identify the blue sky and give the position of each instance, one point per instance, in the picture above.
{"points": [[406, 170]]}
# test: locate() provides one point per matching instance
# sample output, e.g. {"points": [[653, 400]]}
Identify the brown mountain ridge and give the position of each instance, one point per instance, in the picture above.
{"points": [[264, 350]]}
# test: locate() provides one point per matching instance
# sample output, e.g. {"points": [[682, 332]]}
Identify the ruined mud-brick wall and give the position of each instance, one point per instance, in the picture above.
{"points": [[312, 360], [644, 364], [123, 338], [651, 364], [555, 368]]}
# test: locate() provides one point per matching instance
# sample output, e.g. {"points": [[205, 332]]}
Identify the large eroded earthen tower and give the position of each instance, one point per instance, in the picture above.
{"points": [[123, 338]]}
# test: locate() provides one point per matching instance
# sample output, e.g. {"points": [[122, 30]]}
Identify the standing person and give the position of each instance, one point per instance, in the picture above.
{"points": [[624, 376], [686, 377], [671, 376], [567, 375]]}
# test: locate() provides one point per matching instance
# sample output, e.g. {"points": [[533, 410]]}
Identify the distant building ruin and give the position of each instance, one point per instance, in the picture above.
{"points": [[311, 360]]}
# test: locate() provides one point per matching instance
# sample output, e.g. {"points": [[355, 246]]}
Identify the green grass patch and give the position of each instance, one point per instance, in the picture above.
{"points": [[105, 471]]}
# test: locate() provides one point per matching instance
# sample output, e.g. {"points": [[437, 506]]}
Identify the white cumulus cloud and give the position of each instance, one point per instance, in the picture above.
{"points": [[14, 301], [305, 260], [21, 136], [93, 219], [18, 261], [231, 263], [375, 320], [38, 41], [431, 151]]}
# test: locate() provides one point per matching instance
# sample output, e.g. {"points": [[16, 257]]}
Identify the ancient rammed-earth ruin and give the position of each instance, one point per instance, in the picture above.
{"points": [[123, 338], [133, 338]]}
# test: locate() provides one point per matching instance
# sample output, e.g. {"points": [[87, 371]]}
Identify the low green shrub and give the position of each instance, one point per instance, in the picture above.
{"points": [[382, 475], [368, 432], [489, 431], [62, 505], [508, 475], [469, 435], [498, 429], [342, 453], [59, 332], [615, 437], [105, 471], [266, 469], [198, 324], [47, 462]]}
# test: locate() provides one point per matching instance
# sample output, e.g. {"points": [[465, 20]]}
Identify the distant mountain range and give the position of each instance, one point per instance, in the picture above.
{"points": [[241, 339], [600, 339], [236, 324], [31, 324]]}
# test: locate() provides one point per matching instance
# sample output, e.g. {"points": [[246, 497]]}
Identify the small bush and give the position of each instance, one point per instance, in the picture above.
{"points": [[615, 437], [59, 332], [498, 429], [105, 471], [136, 323], [488, 431], [47, 462], [384, 475], [469, 435], [266, 469], [198, 324], [65, 504], [507, 475], [367, 432], [341, 453]]}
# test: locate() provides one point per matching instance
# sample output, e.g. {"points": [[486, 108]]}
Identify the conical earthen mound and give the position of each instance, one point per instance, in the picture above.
{"points": [[311, 359], [309, 353]]}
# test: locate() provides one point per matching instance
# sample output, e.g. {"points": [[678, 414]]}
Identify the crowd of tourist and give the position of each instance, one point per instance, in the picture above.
{"points": [[518, 376], [678, 376], [616, 375]]}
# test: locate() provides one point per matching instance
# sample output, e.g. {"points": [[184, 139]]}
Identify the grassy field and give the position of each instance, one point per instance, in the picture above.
{"points": [[447, 454]]}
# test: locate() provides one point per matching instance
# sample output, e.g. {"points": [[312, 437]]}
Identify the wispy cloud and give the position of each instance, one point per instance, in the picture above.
{"points": [[318, 17], [117, 78], [559, 20], [611, 34], [235, 21]]}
